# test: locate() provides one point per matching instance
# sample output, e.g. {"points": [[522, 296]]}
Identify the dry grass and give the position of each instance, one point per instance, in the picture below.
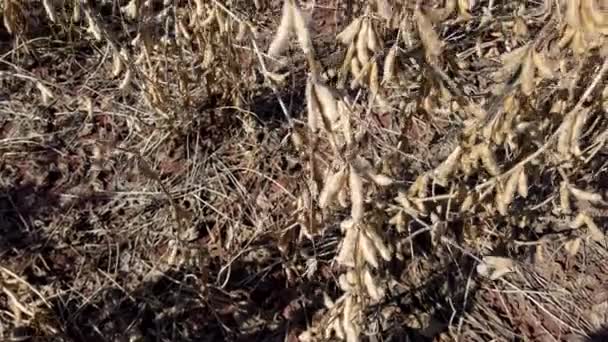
{"points": [[321, 170]]}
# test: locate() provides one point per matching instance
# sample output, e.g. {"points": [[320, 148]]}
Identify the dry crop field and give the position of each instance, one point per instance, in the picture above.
{"points": [[320, 170]]}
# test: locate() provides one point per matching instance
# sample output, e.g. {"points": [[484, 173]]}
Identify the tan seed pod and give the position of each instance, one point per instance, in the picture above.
{"points": [[297, 139], [374, 83], [545, 69], [338, 330], [593, 12], [276, 77], [522, 184], [333, 185], [117, 65], [428, 36], [355, 67], [362, 37], [578, 221], [367, 250], [564, 197], [328, 102], [350, 330], [508, 193], [527, 75], [312, 106], [374, 291], [443, 172], [380, 179], [384, 251], [373, 43], [347, 36], [300, 27], [344, 114], [577, 131], [467, 204], [573, 15], [349, 59], [384, 9], [588, 196], [362, 74], [488, 160], [389, 65], [344, 284], [573, 246], [419, 188], [356, 195], [464, 6], [346, 256], [347, 224], [520, 28], [50, 10], [593, 230], [281, 38]]}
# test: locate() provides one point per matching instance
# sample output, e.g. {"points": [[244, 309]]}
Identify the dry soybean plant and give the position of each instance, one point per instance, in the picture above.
{"points": [[468, 133], [530, 127]]}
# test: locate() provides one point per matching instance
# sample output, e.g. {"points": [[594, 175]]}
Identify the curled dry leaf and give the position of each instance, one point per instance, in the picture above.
{"points": [[495, 267], [488, 160], [443, 172]]}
